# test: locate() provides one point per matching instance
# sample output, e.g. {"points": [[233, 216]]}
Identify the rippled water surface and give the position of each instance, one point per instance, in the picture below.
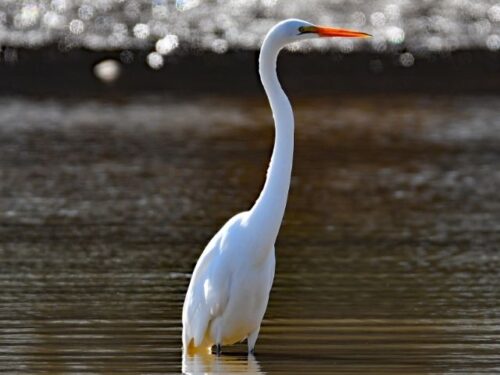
{"points": [[387, 260]]}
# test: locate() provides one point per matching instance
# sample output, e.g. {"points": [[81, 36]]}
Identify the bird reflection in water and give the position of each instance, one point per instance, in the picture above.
{"points": [[206, 363]]}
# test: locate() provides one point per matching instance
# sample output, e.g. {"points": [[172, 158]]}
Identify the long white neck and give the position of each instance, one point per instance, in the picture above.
{"points": [[269, 208]]}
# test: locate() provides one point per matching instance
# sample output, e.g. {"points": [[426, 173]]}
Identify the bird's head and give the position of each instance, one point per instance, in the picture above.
{"points": [[293, 30]]}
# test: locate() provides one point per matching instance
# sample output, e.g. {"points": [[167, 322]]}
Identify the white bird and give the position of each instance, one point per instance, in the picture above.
{"points": [[229, 289]]}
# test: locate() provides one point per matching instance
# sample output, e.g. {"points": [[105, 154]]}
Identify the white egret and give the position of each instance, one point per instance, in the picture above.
{"points": [[229, 289]]}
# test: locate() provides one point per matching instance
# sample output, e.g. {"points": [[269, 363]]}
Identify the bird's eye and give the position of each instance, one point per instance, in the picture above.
{"points": [[306, 29]]}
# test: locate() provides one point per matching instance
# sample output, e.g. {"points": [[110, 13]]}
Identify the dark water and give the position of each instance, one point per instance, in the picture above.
{"points": [[387, 260]]}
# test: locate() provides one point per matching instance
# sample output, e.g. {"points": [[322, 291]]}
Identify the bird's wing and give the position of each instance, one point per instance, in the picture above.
{"points": [[195, 315], [208, 292], [209, 289]]}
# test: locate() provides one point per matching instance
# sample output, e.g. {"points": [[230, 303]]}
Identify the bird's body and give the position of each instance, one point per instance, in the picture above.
{"points": [[229, 304], [229, 289]]}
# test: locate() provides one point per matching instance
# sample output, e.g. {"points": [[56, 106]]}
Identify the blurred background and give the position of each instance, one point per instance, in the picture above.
{"points": [[130, 131], [191, 45]]}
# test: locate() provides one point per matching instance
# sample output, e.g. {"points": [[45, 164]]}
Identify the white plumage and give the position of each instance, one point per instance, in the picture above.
{"points": [[228, 300], [229, 289]]}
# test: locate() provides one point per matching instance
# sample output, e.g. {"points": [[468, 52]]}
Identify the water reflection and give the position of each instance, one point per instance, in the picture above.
{"points": [[225, 364]]}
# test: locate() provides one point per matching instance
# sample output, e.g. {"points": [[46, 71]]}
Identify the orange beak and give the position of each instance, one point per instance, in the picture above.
{"points": [[344, 33]]}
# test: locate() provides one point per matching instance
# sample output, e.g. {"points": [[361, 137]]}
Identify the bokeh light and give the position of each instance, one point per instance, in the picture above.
{"points": [[155, 60], [406, 59], [493, 42], [167, 44], [163, 25], [107, 70], [76, 27], [141, 31]]}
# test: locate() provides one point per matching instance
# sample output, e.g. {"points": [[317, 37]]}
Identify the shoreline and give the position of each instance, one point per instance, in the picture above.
{"points": [[49, 72]]}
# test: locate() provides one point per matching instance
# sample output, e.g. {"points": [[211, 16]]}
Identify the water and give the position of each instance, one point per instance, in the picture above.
{"points": [[397, 25], [387, 260]]}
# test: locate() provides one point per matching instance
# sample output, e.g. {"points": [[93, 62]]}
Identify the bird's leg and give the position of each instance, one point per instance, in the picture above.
{"points": [[218, 350], [252, 338]]}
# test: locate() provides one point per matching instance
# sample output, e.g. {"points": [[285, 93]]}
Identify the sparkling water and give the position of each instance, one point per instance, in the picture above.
{"points": [[164, 25]]}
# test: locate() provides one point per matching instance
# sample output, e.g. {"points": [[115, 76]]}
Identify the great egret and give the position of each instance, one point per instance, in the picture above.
{"points": [[229, 289]]}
